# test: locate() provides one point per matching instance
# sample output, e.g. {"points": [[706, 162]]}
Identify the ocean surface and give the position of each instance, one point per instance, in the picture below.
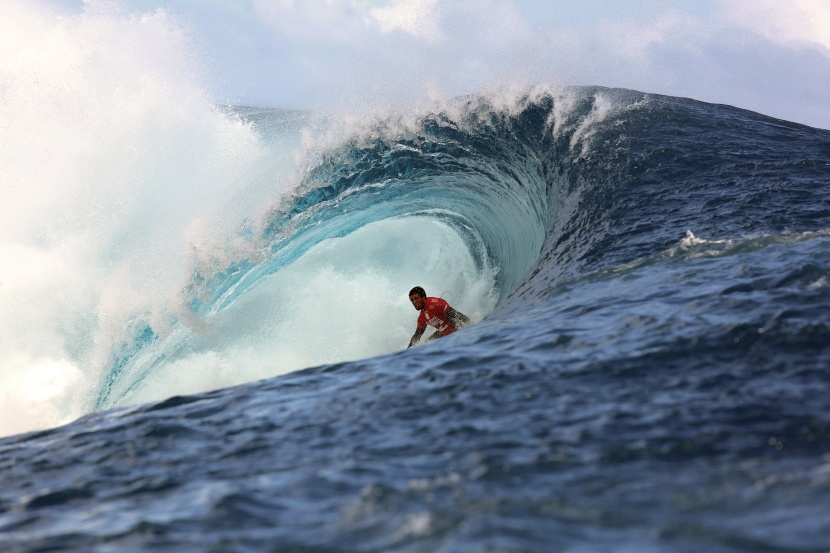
{"points": [[648, 369]]}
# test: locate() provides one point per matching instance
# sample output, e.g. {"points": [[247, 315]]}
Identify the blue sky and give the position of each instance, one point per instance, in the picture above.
{"points": [[765, 55]]}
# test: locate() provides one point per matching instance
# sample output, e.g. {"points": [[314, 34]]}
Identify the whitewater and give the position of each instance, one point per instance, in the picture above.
{"points": [[204, 315]]}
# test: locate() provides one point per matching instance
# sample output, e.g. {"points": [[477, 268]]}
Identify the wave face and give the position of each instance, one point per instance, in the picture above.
{"points": [[647, 372]]}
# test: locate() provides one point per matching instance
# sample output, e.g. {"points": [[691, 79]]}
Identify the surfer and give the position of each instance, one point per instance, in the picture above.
{"points": [[435, 312]]}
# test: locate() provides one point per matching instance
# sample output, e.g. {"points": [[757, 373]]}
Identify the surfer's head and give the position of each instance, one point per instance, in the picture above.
{"points": [[418, 297]]}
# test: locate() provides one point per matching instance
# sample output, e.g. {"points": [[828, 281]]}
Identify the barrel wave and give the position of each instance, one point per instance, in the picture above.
{"points": [[647, 371], [469, 192]]}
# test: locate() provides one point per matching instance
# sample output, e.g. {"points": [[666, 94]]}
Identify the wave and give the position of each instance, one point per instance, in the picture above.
{"points": [[495, 200], [648, 276], [459, 200]]}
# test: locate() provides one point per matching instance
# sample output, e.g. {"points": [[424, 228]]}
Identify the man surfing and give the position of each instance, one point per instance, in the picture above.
{"points": [[435, 312]]}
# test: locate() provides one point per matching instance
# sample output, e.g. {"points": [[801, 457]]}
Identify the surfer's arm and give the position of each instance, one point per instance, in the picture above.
{"points": [[417, 336], [457, 318]]}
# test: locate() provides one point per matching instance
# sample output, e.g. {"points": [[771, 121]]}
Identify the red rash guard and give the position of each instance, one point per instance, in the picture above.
{"points": [[434, 314]]}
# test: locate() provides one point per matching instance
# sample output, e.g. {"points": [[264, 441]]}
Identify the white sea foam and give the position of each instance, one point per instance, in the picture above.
{"points": [[115, 166]]}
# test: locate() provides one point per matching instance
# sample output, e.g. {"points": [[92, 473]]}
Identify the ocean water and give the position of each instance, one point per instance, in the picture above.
{"points": [[204, 315], [647, 371]]}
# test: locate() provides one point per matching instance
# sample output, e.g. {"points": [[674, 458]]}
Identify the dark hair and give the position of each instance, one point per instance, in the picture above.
{"points": [[418, 290]]}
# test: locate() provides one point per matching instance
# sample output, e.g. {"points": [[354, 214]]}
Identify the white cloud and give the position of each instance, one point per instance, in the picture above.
{"points": [[349, 21], [313, 21], [633, 39], [416, 17], [793, 21], [771, 56]]}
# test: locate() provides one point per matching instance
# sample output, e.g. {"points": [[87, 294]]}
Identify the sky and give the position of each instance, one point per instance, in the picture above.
{"points": [[765, 55]]}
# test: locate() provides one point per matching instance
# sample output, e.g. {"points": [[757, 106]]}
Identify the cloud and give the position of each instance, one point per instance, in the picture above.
{"points": [[419, 18], [313, 21], [765, 55], [786, 23], [633, 39]]}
